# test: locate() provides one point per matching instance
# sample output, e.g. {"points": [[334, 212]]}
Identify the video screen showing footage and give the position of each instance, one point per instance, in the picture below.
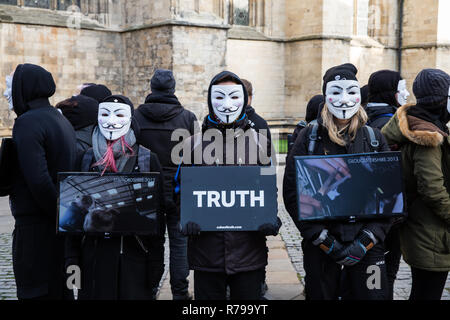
{"points": [[357, 186], [108, 204]]}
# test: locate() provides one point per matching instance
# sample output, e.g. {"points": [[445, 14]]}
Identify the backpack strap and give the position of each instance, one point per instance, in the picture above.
{"points": [[312, 138], [144, 159], [87, 160], [374, 143]]}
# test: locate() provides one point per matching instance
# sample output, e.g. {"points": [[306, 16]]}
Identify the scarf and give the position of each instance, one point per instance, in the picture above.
{"points": [[112, 156]]}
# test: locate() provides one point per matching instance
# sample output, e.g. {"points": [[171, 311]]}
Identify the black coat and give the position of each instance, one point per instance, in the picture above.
{"points": [[343, 231], [45, 143], [157, 119], [379, 115], [119, 268]]}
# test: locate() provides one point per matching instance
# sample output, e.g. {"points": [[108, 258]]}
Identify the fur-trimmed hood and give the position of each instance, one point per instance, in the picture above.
{"points": [[403, 128]]}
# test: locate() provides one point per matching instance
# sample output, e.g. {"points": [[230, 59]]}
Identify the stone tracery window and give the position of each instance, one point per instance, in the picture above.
{"points": [[240, 12]]}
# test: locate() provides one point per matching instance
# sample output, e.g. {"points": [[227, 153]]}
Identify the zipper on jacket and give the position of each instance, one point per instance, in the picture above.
{"points": [[141, 244], [121, 244]]}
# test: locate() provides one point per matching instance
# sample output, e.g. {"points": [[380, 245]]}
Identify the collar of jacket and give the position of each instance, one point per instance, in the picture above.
{"points": [[39, 103], [419, 131]]}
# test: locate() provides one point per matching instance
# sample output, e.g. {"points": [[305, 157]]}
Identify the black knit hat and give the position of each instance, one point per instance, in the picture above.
{"points": [[163, 81], [431, 87], [364, 94], [312, 109], [120, 99], [96, 91], [383, 86], [346, 71]]}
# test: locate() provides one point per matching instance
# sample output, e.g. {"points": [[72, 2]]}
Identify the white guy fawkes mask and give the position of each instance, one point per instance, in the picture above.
{"points": [[448, 101], [227, 102], [114, 119], [402, 94], [343, 98], [8, 92]]}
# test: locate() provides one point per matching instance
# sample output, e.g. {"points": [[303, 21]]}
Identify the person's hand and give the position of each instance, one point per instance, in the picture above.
{"points": [[307, 205], [355, 252], [191, 229], [328, 244], [269, 229]]}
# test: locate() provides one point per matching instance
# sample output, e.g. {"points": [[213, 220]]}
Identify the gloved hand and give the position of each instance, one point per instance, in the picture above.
{"points": [[353, 253], [191, 229], [268, 229], [329, 245]]}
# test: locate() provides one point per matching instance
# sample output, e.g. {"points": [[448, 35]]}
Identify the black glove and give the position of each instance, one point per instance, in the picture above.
{"points": [[191, 229], [329, 245], [269, 229], [353, 253]]}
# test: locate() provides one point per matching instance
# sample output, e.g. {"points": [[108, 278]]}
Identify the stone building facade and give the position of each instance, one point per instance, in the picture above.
{"points": [[282, 46]]}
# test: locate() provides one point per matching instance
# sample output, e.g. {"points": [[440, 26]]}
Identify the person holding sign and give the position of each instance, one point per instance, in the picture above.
{"points": [[116, 267], [227, 258], [338, 249], [421, 133]]}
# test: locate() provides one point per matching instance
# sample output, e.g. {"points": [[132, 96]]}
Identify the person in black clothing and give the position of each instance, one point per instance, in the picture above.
{"points": [[96, 91], [387, 92], [158, 117], [46, 144], [229, 258], [117, 267], [81, 111], [328, 246], [312, 112], [364, 95], [255, 120]]}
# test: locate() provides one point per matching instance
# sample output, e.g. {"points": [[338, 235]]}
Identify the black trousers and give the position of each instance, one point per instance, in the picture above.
{"points": [[213, 285], [327, 280], [427, 285], [392, 257]]}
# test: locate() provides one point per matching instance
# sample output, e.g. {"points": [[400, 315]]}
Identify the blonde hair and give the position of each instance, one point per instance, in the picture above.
{"points": [[336, 135]]}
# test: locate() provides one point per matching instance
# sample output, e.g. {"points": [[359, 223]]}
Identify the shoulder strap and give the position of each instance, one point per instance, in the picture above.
{"points": [[144, 159], [373, 140], [87, 160], [312, 137]]}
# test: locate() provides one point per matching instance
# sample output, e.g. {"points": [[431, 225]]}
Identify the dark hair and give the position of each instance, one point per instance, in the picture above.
{"points": [[225, 79], [248, 86]]}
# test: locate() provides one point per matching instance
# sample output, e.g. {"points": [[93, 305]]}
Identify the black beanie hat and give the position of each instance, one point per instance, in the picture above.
{"points": [[346, 71], [120, 99], [383, 86], [312, 109], [163, 81], [364, 94], [431, 87], [96, 91]]}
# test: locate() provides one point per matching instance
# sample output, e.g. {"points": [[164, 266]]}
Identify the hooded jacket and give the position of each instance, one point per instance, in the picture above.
{"points": [[343, 231], [227, 252], [157, 118], [257, 122], [45, 143], [425, 237]]}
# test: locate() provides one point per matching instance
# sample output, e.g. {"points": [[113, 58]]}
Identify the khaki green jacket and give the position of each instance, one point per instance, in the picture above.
{"points": [[425, 237]]}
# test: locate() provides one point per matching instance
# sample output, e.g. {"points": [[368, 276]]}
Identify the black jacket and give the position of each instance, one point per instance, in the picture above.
{"points": [[118, 268], [227, 252], [157, 119], [343, 231], [256, 121], [45, 143], [379, 114]]}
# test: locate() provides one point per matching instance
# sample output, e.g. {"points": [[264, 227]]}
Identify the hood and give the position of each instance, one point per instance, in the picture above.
{"points": [[375, 110], [312, 108], [160, 108], [227, 75], [250, 111], [383, 86], [403, 128], [80, 110], [31, 82]]}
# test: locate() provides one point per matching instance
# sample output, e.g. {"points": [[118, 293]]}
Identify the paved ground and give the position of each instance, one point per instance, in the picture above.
{"points": [[285, 272]]}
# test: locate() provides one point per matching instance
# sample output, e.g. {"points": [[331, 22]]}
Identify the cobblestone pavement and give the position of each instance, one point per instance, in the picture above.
{"points": [[292, 239], [7, 282]]}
